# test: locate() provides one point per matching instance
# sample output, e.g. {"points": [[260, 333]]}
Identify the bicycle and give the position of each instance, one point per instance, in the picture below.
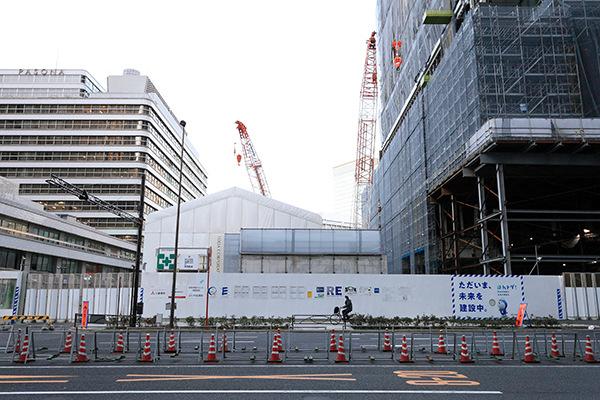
{"points": [[338, 317]]}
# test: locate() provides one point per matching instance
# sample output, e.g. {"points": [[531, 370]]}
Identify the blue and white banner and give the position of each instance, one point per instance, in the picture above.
{"points": [[486, 296]]}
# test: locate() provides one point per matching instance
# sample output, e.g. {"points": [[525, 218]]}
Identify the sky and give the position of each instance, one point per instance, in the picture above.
{"points": [[291, 71]]}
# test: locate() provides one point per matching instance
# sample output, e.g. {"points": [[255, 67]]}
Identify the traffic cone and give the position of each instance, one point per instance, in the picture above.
{"points": [[274, 352], [147, 354], [171, 348], [224, 342], [332, 345], [529, 358], [554, 352], [24, 358], [464, 353], [496, 347], [341, 357], [441, 344], [82, 354], [279, 343], [212, 354], [404, 357], [589, 351], [386, 342], [120, 348], [17, 346], [68, 344]]}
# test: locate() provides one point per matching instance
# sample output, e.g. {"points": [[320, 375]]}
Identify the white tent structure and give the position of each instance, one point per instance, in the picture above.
{"points": [[205, 221]]}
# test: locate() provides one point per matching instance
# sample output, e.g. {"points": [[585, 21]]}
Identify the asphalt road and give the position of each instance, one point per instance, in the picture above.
{"points": [[154, 381]]}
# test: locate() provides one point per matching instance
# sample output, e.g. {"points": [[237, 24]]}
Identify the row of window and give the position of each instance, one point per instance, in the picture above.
{"points": [[26, 189], [91, 156], [66, 173], [31, 93], [74, 109], [73, 124], [73, 140], [127, 206]]}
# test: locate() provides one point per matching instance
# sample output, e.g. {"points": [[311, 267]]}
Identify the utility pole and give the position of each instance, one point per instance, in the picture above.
{"points": [[83, 195]]}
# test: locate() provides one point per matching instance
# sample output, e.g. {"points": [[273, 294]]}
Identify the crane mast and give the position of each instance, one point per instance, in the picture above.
{"points": [[253, 164], [365, 150]]}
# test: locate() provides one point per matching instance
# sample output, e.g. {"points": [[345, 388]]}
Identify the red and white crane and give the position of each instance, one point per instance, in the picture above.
{"points": [[365, 151], [253, 164]]}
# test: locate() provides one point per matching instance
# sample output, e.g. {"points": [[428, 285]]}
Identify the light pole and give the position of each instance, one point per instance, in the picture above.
{"points": [[172, 316]]}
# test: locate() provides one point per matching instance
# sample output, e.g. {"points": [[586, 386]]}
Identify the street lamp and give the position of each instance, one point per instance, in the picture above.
{"points": [[172, 316]]}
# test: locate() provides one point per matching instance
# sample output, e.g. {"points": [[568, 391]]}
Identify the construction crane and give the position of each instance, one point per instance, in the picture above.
{"points": [[253, 164], [365, 150]]}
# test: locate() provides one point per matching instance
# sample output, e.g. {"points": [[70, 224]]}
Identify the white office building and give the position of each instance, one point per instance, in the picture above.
{"points": [[63, 122]]}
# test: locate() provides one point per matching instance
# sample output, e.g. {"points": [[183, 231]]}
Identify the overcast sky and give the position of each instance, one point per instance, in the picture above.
{"points": [[289, 70]]}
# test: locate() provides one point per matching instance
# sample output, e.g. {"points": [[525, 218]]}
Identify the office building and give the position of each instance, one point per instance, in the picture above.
{"points": [[490, 136], [62, 122]]}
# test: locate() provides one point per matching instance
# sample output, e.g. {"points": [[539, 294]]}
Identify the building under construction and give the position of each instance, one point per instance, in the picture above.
{"points": [[490, 136]]}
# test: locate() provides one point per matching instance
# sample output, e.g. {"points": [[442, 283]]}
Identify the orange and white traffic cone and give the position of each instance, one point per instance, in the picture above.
{"points": [[332, 345], [589, 352], [404, 357], [24, 358], [387, 347], [147, 353], [554, 352], [212, 353], [274, 352], [82, 354], [441, 344], [464, 353], [224, 342], [171, 347], [68, 344], [120, 347], [341, 357], [529, 358], [279, 343], [17, 345], [496, 347]]}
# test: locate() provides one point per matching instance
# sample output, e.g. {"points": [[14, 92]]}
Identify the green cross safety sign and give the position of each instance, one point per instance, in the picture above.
{"points": [[166, 261]]}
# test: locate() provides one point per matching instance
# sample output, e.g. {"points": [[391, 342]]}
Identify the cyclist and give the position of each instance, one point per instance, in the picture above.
{"points": [[347, 308]]}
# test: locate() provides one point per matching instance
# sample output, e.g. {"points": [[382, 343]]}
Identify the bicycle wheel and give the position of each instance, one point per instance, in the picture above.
{"points": [[335, 318]]}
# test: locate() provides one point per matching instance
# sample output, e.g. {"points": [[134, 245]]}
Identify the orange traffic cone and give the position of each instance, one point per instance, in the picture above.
{"points": [[147, 354], [279, 343], [171, 348], [387, 347], [120, 347], [529, 358], [404, 357], [224, 342], [82, 354], [212, 354], [274, 352], [464, 353], [554, 352], [341, 357], [589, 351], [441, 344], [496, 347], [24, 358], [68, 343], [17, 346], [332, 345]]}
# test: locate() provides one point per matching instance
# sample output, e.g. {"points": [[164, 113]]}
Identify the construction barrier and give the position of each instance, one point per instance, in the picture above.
{"points": [[25, 318]]}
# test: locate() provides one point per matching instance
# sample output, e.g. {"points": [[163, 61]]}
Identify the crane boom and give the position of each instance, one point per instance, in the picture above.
{"points": [[365, 150], [253, 164]]}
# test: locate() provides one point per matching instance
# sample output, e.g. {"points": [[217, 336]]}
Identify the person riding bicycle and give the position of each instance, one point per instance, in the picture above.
{"points": [[347, 308]]}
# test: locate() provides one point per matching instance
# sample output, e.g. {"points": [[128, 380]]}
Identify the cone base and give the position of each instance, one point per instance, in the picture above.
{"points": [[274, 361], [170, 351], [333, 350], [441, 352], [80, 361], [530, 362], [211, 361], [23, 362], [341, 361], [466, 361], [145, 361], [592, 361], [405, 361], [556, 355], [386, 350]]}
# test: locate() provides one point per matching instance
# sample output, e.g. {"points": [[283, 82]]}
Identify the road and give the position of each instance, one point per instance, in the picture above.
{"points": [[154, 381]]}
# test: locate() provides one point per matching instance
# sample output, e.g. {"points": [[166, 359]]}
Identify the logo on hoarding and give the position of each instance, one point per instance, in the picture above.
{"points": [[165, 261]]}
